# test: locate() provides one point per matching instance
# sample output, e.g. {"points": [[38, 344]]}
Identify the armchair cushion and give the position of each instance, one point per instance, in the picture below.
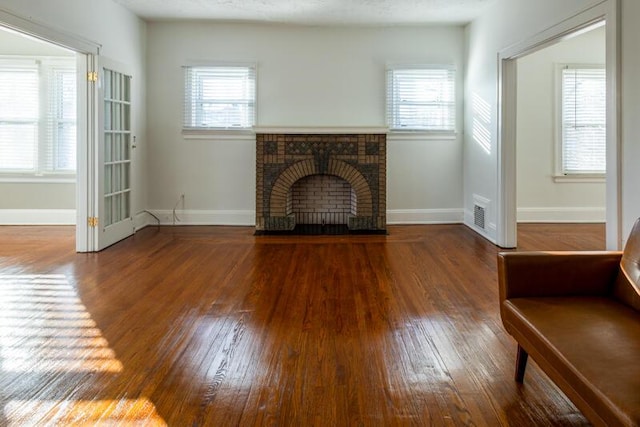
{"points": [[589, 346]]}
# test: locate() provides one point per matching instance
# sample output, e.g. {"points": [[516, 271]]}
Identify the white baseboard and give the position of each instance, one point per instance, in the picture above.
{"points": [[202, 217], [581, 215], [143, 219], [37, 217], [424, 216], [248, 218]]}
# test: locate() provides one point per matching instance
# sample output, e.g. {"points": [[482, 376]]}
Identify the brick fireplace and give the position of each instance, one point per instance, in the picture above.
{"points": [[321, 179]]}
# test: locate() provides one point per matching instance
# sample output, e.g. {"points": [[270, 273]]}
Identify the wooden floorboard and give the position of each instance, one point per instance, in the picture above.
{"points": [[213, 326]]}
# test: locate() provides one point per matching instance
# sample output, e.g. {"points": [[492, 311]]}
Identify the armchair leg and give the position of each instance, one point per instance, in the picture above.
{"points": [[521, 363]]}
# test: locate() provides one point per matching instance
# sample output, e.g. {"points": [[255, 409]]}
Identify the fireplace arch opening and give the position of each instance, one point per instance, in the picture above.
{"points": [[322, 200]]}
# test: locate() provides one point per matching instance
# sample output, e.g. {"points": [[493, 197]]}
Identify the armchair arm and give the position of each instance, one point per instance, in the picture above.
{"points": [[547, 274]]}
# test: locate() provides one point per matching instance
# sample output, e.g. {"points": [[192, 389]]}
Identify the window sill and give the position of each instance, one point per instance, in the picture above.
{"points": [[32, 179], [421, 135], [219, 134], [585, 178]]}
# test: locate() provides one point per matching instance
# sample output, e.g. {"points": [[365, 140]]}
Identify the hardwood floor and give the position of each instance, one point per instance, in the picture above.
{"points": [[195, 326]]}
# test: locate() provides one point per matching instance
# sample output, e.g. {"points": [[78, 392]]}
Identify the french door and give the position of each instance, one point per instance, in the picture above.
{"points": [[114, 153]]}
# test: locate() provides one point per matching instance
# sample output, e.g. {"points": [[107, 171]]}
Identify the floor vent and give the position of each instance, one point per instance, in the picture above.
{"points": [[478, 216]]}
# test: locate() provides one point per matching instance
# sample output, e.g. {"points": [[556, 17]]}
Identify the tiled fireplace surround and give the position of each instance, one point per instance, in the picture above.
{"points": [[321, 178]]}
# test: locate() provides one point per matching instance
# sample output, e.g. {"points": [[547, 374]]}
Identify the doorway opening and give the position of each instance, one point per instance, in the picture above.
{"points": [[38, 131], [561, 131], [85, 53], [605, 12]]}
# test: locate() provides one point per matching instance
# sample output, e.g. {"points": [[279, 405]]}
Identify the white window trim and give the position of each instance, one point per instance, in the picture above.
{"points": [[582, 177], [219, 133], [417, 134], [559, 175], [215, 134], [39, 176], [35, 179], [433, 135]]}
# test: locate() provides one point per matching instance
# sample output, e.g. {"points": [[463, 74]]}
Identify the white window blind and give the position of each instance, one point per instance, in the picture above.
{"points": [[37, 116], [60, 154], [219, 97], [583, 120], [421, 99], [19, 115]]}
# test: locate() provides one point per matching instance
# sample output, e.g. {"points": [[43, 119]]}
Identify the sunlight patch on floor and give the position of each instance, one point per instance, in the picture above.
{"points": [[47, 332], [45, 327], [125, 412]]}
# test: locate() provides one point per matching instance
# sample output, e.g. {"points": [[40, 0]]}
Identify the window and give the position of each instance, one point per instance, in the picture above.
{"points": [[421, 99], [61, 154], [37, 116], [583, 121], [219, 97]]}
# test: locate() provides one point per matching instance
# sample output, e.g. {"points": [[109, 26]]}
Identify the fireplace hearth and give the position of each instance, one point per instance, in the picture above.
{"points": [[320, 183]]}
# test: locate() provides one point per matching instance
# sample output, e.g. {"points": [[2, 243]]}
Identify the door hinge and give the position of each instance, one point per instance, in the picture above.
{"points": [[92, 221], [92, 76]]}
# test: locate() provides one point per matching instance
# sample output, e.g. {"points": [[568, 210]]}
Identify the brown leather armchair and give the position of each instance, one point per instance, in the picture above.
{"points": [[578, 315]]}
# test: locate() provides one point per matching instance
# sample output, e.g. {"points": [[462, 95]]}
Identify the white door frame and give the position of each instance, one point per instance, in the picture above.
{"points": [[86, 141], [607, 10]]}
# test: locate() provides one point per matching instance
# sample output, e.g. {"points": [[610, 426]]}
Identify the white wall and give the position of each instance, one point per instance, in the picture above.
{"points": [[14, 43], [27, 195], [307, 76], [630, 13], [539, 197], [122, 37], [503, 24]]}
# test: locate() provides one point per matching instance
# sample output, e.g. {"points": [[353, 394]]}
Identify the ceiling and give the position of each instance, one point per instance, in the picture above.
{"points": [[312, 12]]}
